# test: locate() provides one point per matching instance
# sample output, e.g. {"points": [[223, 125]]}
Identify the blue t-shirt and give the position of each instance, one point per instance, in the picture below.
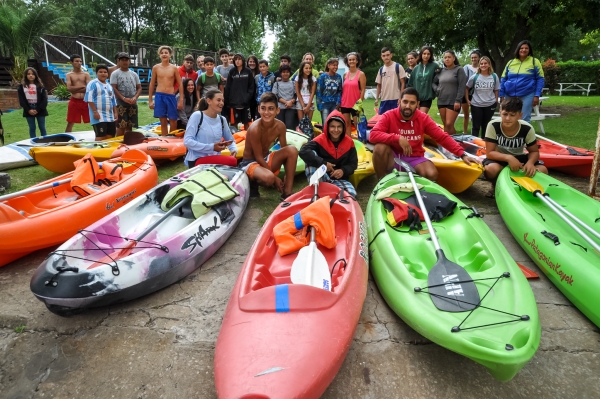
{"points": [[200, 141], [264, 84], [329, 90], [103, 96]]}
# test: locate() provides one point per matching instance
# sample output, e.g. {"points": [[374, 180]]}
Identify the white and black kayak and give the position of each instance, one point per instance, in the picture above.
{"points": [[16, 155], [140, 248]]}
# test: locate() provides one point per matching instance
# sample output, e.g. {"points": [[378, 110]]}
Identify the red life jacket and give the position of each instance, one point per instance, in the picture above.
{"points": [[400, 213]]}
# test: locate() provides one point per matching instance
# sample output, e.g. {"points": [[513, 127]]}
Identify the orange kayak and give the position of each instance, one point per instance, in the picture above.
{"points": [[158, 148], [50, 216]]}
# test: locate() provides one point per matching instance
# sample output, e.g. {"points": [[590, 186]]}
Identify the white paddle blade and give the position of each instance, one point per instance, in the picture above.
{"points": [[314, 179], [310, 268]]}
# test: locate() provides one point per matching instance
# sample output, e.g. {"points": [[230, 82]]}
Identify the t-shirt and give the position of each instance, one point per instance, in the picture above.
{"points": [[285, 90], [305, 90], [388, 79], [210, 82], [126, 82], [31, 94], [200, 139], [470, 70], [264, 84], [224, 72], [483, 94], [103, 96], [515, 145]]}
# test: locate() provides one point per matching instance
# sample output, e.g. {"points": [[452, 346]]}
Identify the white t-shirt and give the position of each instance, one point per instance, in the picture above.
{"points": [[305, 90], [390, 85], [31, 94], [483, 95], [470, 70]]}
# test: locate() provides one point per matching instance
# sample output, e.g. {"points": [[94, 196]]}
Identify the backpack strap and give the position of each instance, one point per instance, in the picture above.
{"points": [[200, 124]]}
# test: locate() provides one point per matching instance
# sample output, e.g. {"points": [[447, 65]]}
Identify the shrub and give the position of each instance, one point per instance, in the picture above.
{"points": [[18, 70], [61, 92], [579, 72], [551, 74]]}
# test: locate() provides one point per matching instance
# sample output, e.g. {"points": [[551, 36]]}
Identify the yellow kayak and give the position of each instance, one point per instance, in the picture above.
{"points": [[240, 142], [60, 158], [454, 175], [365, 164]]}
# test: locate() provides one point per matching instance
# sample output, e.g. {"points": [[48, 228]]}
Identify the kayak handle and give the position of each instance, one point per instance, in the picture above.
{"points": [[551, 236]]}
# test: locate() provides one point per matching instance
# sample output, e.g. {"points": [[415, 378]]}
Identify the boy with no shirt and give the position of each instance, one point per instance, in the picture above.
{"points": [[261, 165], [77, 81], [167, 76]]}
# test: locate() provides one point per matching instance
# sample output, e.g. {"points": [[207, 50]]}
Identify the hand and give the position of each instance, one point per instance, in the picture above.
{"points": [[306, 109], [376, 102], [330, 167], [31, 112], [468, 160], [529, 169], [536, 101], [220, 146], [234, 153], [468, 102], [456, 107], [278, 184], [96, 115], [180, 105], [406, 148], [337, 174], [151, 104], [514, 164]]}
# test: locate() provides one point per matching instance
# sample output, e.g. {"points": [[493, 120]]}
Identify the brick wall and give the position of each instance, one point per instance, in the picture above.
{"points": [[9, 99]]}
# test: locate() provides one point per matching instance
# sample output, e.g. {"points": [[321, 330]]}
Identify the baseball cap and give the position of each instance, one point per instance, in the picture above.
{"points": [[122, 55]]}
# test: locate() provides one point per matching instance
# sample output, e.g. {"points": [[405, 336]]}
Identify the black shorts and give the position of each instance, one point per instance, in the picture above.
{"points": [[105, 129], [350, 111], [449, 106], [524, 158], [242, 115], [127, 115], [425, 103], [464, 100]]}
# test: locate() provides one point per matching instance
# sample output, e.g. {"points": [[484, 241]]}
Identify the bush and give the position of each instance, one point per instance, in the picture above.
{"points": [[17, 72], [61, 92], [579, 72], [551, 74]]}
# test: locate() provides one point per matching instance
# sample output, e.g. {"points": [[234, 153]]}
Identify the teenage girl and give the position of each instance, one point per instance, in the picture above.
{"points": [[33, 97], [353, 89], [470, 70], [305, 91], [485, 84], [421, 78], [449, 85], [252, 64]]}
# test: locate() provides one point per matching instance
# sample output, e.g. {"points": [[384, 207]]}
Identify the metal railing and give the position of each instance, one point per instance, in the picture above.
{"points": [[46, 44]]}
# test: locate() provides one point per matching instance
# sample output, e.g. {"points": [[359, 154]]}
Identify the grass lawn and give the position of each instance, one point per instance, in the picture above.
{"points": [[577, 126]]}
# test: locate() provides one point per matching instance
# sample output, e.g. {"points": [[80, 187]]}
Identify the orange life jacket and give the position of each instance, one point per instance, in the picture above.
{"points": [[89, 179], [292, 233]]}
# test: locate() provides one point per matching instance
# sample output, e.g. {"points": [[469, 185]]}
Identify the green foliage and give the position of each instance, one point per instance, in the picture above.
{"points": [[61, 92], [551, 73], [20, 329], [17, 72], [579, 72]]}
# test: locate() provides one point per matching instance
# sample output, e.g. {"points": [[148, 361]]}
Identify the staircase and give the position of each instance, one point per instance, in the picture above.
{"points": [[61, 70]]}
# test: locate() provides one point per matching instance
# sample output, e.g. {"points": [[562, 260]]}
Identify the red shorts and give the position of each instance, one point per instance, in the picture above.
{"points": [[78, 110]]}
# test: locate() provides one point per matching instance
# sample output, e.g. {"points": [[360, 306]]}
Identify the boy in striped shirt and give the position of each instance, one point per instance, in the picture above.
{"points": [[102, 104]]}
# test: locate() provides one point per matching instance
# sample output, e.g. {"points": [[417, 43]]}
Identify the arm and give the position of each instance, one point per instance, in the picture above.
{"points": [[435, 84], [117, 92], [312, 94], [151, 88], [462, 81], [22, 99], [283, 137], [363, 84], [411, 80], [435, 132], [190, 139], [229, 137], [181, 113], [503, 82], [381, 132], [180, 85], [138, 89], [250, 89], [534, 156], [298, 95], [467, 87], [308, 153], [319, 100], [351, 164], [42, 99], [377, 95], [253, 140]]}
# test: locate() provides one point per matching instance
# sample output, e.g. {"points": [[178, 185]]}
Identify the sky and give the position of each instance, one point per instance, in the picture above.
{"points": [[269, 41]]}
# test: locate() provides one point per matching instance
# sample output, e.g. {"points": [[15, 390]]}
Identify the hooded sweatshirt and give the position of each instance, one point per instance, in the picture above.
{"points": [[390, 127], [239, 89], [421, 78], [341, 153], [449, 85]]}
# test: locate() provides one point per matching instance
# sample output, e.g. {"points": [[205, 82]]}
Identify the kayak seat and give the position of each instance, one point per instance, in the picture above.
{"points": [[23, 204], [263, 278]]}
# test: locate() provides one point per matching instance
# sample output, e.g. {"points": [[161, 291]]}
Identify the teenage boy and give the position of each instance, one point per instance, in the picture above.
{"points": [[77, 81], [209, 79], [285, 90], [261, 165], [400, 133], [166, 105], [200, 64], [283, 60], [239, 91], [128, 88], [505, 143], [264, 81], [390, 82], [186, 71], [100, 98], [224, 69]]}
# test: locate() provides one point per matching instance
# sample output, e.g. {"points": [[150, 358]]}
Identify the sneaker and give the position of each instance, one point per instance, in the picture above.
{"points": [[254, 193]]}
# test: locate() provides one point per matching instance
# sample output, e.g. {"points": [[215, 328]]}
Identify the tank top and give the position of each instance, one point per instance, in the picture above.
{"points": [[350, 90]]}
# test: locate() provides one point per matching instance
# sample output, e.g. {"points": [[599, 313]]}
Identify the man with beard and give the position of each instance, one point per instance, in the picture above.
{"points": [[400, 133]]}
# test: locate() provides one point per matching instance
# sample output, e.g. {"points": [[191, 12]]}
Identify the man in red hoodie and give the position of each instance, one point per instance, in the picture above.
{"points": [[399, 133], [186, 71]]}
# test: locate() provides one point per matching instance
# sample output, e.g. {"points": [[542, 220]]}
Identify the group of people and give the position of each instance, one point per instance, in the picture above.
{"points": [[206, 101]]}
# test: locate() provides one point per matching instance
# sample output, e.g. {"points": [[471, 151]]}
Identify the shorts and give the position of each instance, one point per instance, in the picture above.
{"points": [[77, 111], [449, 106], [464, 100], [412, 161], [127, 115], [105, 129], [523, 158], [249, 166], [165, 106], [350, 111], [298, 106], [387, 105], [242, 115], [425, 103]]}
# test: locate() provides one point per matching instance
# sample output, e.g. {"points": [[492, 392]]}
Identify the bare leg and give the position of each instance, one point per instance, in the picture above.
{"points": [[427, 170], [287, 156], [310, 113], [383, 159], [424, 109], [300, 115], [348, 126], [448, 118], [465, 109], [69, 127], [173, 125]]}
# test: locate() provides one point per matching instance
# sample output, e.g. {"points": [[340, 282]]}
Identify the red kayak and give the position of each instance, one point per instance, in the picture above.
{"points": [[373, 121], [574, 161], [284, 340]]}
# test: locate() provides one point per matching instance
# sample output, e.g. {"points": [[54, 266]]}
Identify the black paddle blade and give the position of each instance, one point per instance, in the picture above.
{"points": [[573, 151], [450, 286]]}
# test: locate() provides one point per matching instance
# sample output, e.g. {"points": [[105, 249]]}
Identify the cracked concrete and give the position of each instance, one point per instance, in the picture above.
{"points": [[162, 345]]}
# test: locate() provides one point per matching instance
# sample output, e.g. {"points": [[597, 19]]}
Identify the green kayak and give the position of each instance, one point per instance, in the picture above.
{"points": [[296, 139], [567, 259], [501, 330]]}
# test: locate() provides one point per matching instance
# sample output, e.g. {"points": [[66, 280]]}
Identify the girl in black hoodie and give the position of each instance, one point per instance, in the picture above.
{"points": [[33, 98], [239, 91], [334, 149]]}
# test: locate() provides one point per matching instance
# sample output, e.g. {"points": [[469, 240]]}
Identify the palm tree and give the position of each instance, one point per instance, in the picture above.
{"points": [[21, 25]]}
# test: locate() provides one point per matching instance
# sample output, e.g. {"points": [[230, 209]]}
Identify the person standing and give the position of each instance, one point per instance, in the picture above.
{"points": [[33, 98], [100, 98], [186, 71], [421, 77], [189, 103], [470, 70], [411, 61], [166, 106], [77, 81], [329, 89], [264, 81], [285, 91], [226, 66], [485, 85], [305, 91], [283, 60], [449, 85], [239, 91], [252, 64], [209, 79], [128, 88], [523, 77], [390, 82], [200, 64], [353, 89]]}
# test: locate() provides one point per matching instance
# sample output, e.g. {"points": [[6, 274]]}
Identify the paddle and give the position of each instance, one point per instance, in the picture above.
{"points": [[538, 191], [34, 189], [529, 274], [126, 251], [310, 266], [450, 287], [571, 150]]}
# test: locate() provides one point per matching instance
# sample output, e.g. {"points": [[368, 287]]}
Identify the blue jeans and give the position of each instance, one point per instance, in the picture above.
{"points": [[41, 120], [527, 106], [327, 108]]}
